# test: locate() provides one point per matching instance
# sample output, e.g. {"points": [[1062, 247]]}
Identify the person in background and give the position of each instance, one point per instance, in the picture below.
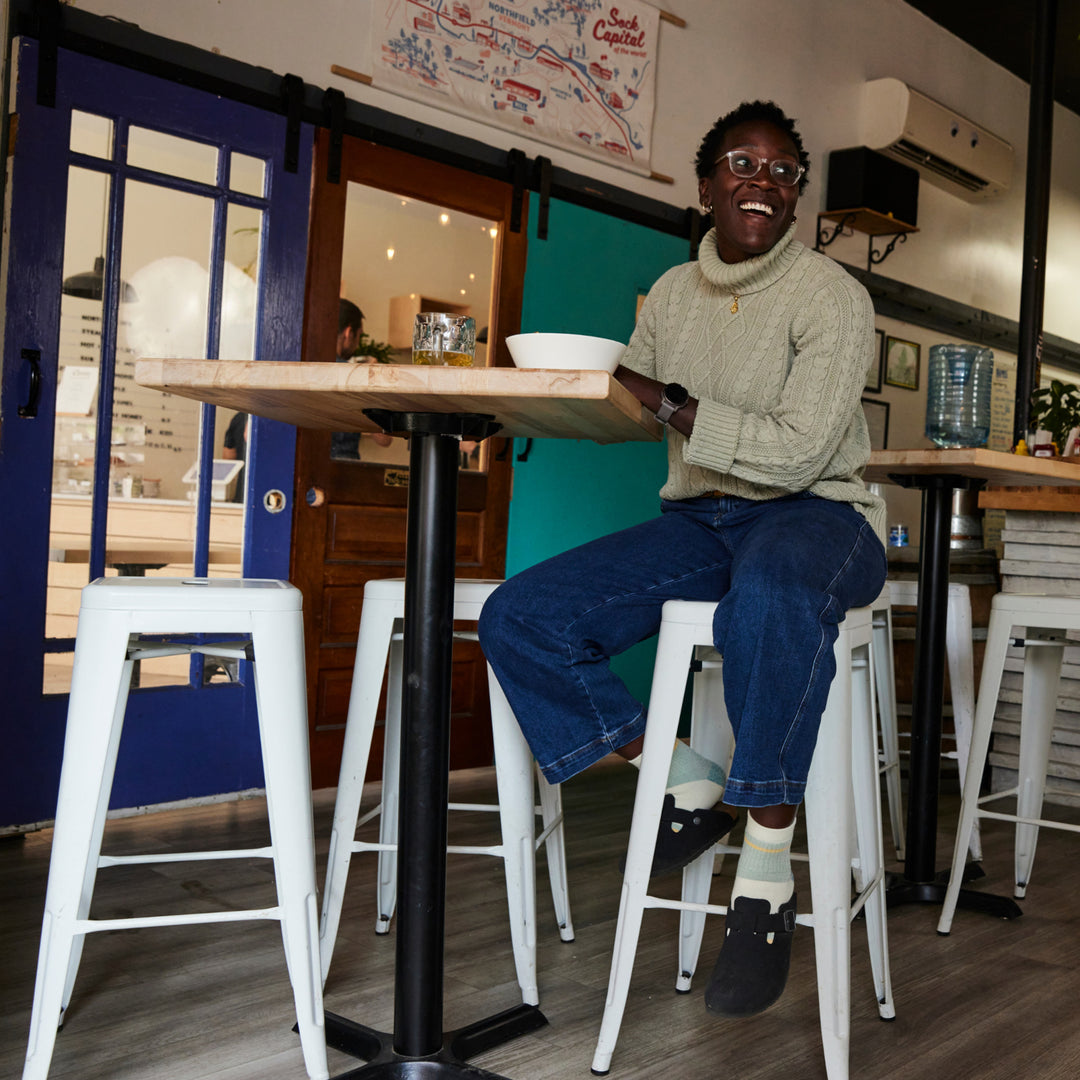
{"points": [[345, 445], [754, 357], [234, 448]]}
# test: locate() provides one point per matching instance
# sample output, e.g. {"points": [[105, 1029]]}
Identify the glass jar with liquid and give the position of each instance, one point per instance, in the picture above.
{"points": [[440, 338]]}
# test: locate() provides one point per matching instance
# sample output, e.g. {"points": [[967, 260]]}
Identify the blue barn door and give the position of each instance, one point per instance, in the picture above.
{"points": [[145, 218]]}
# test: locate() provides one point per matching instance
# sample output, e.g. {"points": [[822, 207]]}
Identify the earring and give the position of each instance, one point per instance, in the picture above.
{"points": [[706, 209]]}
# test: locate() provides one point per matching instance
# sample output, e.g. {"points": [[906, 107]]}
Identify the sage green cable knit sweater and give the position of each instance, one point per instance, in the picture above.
{"points": [[778, 381]]}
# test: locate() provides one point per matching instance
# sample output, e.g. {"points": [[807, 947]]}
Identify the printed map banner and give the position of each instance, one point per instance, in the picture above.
{"points": [[575, 73]]}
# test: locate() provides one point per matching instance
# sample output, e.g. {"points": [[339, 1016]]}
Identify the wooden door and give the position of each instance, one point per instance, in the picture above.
{"points": [[349, 518]]}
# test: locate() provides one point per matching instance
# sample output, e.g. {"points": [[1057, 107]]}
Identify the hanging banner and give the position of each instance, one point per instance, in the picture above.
{"points": [[575, 73]]}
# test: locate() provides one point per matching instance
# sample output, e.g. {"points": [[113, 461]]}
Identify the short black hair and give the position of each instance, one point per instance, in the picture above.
{"points": [[767, 111], [349, 315]]}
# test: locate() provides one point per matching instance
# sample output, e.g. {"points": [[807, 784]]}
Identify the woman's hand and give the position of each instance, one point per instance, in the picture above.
{"points": [[647, 391]]}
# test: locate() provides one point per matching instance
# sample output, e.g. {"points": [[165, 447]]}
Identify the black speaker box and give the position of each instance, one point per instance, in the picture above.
{"points": [[861, 177]]}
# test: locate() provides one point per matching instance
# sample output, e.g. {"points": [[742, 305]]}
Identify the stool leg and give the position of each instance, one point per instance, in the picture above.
{"points": [[885, 682], [373, 641], [551, 812], [958, 653], [829, 844], [517, 819], [278, 640], [386, 881], [710, 736], [673, 653], [997, 647], [99, 681], [867, 816], [1042, 679]]}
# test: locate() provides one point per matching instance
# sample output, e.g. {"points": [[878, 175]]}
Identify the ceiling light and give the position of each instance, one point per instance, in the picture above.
{"points": [[444, 219], [389, 253]]}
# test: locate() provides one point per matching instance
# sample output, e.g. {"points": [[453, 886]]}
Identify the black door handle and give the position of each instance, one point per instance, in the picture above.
{"points": [[33, 357]]}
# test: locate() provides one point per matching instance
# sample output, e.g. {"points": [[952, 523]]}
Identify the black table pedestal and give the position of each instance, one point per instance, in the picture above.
{"points": [[920, 882], [418, 1048]]}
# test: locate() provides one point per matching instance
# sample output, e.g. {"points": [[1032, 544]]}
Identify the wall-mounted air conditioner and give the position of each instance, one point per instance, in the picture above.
{"points": [[948, 149]]}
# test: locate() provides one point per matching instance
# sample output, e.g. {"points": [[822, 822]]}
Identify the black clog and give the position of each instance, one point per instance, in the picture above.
{"points": [[676, 849], [751, 971]]}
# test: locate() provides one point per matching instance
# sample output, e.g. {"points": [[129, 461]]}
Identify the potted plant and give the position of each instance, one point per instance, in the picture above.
{"points": [[1056, 408], [377, 350]]}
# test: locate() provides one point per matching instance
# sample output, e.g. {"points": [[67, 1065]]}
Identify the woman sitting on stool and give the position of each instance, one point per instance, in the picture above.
{"points": [[755, 358]]}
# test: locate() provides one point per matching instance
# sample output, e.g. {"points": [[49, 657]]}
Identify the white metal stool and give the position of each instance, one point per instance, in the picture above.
{"points": [[885, 691], [1042, 622], [381, 634], [113, 615], [845, 750], [958, 650]]}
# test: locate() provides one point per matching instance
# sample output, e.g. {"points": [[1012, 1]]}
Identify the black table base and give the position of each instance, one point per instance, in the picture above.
{"points": [[920, 883], [900, 891], [376, 1048], [418, 1049]]}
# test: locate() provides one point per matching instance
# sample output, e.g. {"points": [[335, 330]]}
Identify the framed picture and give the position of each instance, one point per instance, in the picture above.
{"points": [[873, 377], [902, 363], [877, 422]]}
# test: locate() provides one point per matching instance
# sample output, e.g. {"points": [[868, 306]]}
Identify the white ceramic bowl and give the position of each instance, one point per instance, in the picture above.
{"points": [[576, 352]]}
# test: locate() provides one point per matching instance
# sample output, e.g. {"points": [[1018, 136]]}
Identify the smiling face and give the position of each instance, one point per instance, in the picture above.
{"points": [[750, 215]]}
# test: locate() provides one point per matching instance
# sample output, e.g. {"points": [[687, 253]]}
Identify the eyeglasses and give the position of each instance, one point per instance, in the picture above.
{"points": [[746, 164]]}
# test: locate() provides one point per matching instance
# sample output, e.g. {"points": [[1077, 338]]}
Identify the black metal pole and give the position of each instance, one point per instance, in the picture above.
{"points": [[425, 707], [1036, 211], [928, 681]]}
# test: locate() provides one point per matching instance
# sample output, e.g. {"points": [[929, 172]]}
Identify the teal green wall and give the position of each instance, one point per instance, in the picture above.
{"points": [[585, 279]]}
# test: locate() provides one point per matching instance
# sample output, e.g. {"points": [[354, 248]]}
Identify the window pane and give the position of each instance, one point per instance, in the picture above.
{"points": [[247, 174], [172, 155], [402, 256], [91, 134]]}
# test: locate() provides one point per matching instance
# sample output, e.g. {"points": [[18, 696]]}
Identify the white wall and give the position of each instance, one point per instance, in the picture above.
{"points": [[809, 57]]}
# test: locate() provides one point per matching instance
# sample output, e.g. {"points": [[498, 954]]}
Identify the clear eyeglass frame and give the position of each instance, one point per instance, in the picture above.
{"points": [[745, 164]]}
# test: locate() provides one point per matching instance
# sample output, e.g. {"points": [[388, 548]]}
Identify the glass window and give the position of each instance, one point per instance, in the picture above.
{"points": [[402, 256], [247, 174], [172, 155], [91, 134]]}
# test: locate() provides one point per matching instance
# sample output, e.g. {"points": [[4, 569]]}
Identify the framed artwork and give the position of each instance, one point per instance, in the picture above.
{"points": [[877, 422], [873, 377], [902, 363]]}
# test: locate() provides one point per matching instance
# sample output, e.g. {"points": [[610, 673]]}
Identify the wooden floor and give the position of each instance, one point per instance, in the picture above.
{"points": [[994, 1000]]}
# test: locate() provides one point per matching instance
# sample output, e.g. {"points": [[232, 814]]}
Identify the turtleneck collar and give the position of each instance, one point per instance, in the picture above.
{"points": [[751, 275]]}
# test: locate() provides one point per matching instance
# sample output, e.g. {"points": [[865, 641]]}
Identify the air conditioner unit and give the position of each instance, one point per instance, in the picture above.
{"points": [[949, 150]]}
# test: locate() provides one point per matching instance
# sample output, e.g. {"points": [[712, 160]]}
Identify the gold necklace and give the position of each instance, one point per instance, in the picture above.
{"points": [[734, 303]]}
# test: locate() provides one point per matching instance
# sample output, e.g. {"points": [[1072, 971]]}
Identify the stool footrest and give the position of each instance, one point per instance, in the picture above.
{"points": [[91, 926], [185, 856]]}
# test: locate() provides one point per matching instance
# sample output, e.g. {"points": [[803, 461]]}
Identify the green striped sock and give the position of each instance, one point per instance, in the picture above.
{"points": [[764, 870], [695, 782]]}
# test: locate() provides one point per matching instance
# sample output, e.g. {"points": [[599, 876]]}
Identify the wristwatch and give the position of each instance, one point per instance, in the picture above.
{"points": [[672, 398]]}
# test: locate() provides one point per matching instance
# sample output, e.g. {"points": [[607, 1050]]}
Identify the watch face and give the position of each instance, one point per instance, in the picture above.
{"points": [[676, 394]]}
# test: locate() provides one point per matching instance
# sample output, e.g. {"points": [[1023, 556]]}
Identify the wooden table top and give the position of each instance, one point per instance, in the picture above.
{"points": [[993, 466], [527, 403]]}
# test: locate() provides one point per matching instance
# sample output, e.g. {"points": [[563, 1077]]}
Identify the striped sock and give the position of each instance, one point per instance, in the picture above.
{"points": [[764, 870], [695, 782]]}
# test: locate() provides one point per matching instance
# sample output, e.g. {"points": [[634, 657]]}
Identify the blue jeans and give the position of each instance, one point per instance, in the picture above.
{"points": [[784, 572]]}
